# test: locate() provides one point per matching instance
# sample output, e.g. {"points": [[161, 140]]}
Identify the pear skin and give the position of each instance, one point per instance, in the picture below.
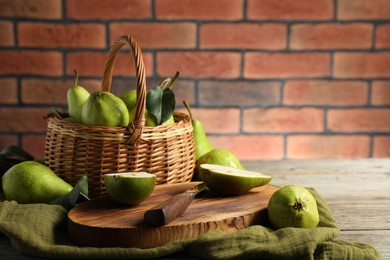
{"points": [[105, 109], [293, 206], [76, 97], [230, 181], [220, 157], [130, 99], [150, 120], [33, 182], [202, 143]]}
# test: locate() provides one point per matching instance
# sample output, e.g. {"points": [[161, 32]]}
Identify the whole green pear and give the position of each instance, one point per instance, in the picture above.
{"points": [[33, 182], [220, 157], [76, 97], [202, 143], [103, 108], [130, 99], [293, 206]]}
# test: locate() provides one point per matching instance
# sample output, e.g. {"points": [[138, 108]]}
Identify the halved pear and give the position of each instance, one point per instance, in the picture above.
{"points": [[227, 180], [129, 188]]}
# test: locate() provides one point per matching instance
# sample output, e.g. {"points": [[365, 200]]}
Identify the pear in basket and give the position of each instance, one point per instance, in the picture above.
{"points": [[76, 97], [160, 103], [103, 108], [130, 99]]}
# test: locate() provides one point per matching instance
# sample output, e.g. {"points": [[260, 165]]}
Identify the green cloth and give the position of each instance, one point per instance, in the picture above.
{"points": [[40, 230]]}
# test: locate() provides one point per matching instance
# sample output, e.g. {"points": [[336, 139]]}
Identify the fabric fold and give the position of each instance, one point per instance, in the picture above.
{"points": [[40, 230]]}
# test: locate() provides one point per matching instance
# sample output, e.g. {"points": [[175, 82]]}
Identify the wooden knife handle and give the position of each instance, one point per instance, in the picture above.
{"points": [[169, 210]]}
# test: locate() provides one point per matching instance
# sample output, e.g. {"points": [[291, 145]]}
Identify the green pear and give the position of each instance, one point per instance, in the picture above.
{"points": [[150, 120], [129, 188], [293, 206], [220, 157], [229, 181], [33, 182], [103, 108], [130, 99], [202, 143], [76, 97]]}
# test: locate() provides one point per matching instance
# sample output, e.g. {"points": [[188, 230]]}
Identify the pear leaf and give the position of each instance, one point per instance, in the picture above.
{"points": [[78, 193], [160, 103]]}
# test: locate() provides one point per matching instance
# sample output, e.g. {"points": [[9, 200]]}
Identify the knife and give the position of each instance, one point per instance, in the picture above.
{"points": [[169, 210]]}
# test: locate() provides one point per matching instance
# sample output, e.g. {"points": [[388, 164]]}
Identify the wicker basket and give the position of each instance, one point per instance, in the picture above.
{"points": [[73, 150]]}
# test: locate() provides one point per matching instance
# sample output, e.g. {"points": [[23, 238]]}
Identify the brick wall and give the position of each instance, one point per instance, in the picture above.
{"points": [[269, 79]]}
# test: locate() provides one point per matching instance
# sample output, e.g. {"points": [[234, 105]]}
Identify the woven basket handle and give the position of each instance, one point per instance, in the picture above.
{"points": [[138, 124]]}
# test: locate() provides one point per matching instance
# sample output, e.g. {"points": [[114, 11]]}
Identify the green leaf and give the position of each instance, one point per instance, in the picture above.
{"points": [[160, 103], [78, 193], [169, 103], [154, 102]]}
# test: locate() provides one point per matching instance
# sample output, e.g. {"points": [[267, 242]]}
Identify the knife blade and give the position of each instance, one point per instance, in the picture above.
{"points": [[170, 209]]}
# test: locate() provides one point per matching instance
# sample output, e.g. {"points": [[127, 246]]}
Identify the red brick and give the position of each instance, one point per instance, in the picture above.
{"points": [[363, 10], [200, 9], [359, 120], [199, 64], [246, 35], [157, 35], [382, 37], [381, 146], [327, 146], [251, 147], [361, 65], [49, 35], [290, 10], [92, 63], [34, 145], [23, 119], [325, 92], [47, 91], [7, 140], [47, 63], [9, 91], [7, 34], [108, 9], [380, 92], [282, 65], [31, 9], [279, 120], [239, 93], [217, 120], [331, 36]]}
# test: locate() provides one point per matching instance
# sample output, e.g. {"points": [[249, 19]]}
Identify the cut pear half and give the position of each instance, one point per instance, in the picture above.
{"points": [[229, 181], [129, 188]]}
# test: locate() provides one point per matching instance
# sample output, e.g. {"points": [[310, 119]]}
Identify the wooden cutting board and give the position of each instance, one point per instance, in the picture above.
{"points": [[103, 223]]}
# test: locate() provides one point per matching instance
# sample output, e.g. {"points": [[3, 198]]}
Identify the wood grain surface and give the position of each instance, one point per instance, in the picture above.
{"points": [[103, 223]]}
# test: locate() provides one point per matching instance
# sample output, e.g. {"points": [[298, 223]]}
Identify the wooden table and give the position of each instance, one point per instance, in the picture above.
{"points": [[357, 191]]}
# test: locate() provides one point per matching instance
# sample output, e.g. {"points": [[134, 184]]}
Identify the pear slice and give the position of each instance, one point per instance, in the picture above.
{"points": [[129, 188], [226, 180]]}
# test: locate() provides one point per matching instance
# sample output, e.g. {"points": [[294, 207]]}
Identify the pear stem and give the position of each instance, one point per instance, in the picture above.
{"points": [[188, 109], [76, 77], [174, 79]]}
